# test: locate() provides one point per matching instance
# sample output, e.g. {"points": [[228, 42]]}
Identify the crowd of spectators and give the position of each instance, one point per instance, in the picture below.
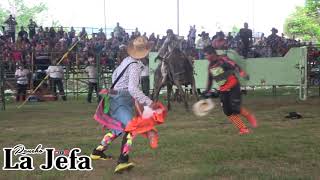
{"points": [[37, 48], [34, 43], [248, 46]]}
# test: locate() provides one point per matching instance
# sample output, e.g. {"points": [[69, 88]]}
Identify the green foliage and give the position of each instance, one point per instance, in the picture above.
{"points": [[235, 30], [3, 14], [304, 23], [24, 13]]}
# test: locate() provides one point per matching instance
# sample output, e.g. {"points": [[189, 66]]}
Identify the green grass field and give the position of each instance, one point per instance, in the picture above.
{"points": [[189, 148]]}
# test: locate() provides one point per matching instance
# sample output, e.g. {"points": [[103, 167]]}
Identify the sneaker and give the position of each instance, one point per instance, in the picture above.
{"points": [[124, 166], [99, 155], [244, 131], [253, 121]]}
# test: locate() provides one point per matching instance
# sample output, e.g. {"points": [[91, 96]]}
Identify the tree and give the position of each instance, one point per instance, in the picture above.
{"points": [[235, 30], [24, 13], [4, 14], [304, 23]]}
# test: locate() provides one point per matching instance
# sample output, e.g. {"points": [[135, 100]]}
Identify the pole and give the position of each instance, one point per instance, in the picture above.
{"points": [[178, 13], [253, 16], [105, 17], [2, 81], [100, 74]]}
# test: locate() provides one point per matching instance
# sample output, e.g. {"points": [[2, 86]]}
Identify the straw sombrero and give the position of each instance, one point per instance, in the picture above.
{"points": [[139, 47], [202, 107]]}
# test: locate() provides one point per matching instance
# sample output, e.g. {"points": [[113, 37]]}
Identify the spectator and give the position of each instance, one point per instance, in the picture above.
{"points": [[115, 44], [60, 32], [215, 36], [72, 33], [22, 76], [101, 34], [203, 42], [229, 39], [83, 34], [261, 48], [32, 28], [159, 42], [2, 32], [25, 39], [46, 33], [40, 29], [152, 38], [11, 27], [246, 38], [219, 42], [132, 37], [92, 74], [16, 55], [22, 32], [118, 31], [144, 77], [192, 36], [52, 33], [145, 35], [55, 73], [273, 41], [122, 53], [136, 32]]}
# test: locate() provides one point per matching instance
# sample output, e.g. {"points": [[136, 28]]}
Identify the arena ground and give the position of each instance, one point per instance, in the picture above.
{"points": [[189, 148]]}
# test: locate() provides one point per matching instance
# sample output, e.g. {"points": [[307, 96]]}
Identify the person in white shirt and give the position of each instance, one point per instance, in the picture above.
{"points": [[91, 70], [22, 76], [121, 99], [203, 42], [55, 73]]}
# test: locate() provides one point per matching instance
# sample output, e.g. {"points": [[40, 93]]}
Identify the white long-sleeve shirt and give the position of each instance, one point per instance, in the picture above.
{"points": [[55, 71], [202, 43], [22, 76], [130, 79], [92, 73]]}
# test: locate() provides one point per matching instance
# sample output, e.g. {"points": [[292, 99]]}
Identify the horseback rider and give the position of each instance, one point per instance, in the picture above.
{"points": [[170, 44]]}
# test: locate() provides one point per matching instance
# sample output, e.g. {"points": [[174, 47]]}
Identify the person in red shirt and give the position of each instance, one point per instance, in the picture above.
{"points": [[223, 71], [220, 42], [16, 55]]}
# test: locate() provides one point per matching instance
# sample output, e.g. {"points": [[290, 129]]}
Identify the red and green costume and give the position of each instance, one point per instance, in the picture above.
{"points": [[223, 71]]}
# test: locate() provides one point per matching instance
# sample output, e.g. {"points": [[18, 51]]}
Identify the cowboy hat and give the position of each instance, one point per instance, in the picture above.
{"points": [[203, 33], [139, 47], [202, 107], [170, 31], [274, 29]]}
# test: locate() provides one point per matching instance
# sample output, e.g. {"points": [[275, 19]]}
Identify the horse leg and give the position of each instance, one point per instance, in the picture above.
{"points": [[186, 91], [156, 91], [169, 91], [177, 97], [194, 89], [183, 94]]}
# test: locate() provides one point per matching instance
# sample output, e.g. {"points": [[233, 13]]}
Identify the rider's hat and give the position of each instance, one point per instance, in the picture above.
{"points": [[203, 107], [170, 31]]}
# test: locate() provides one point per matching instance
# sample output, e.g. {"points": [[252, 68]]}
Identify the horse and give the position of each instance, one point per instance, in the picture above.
{"points": [[179, 73]]}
